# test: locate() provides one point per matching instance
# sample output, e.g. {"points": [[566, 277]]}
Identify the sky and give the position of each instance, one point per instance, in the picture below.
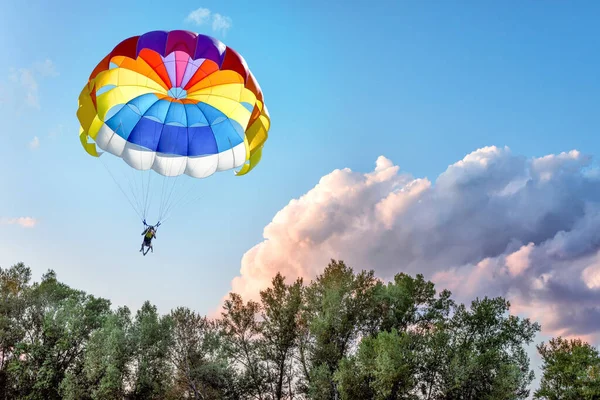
{"points": [[454, 139]]}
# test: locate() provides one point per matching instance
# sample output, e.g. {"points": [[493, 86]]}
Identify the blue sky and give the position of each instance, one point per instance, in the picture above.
{"points": [[422, 83]]}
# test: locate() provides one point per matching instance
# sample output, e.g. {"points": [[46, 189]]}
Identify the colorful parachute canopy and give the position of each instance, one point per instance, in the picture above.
{"points": [[176, 102]]}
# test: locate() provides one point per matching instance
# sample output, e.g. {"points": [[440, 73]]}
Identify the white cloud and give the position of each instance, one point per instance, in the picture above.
{"points": [[45, 68], [34, 143], [25, 222], [493, 223], [199, 16], [26, 87], [22, 88], [220, 23]]}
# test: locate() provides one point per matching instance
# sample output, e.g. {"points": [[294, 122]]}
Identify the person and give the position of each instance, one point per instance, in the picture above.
{"points": [[149, 234]]}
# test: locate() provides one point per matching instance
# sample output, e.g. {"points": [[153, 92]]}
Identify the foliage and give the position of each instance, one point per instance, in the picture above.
{"points": [[345, 335], [571, 370]]}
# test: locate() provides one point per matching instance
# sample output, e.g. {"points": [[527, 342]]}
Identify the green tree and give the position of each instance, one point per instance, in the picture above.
{"points": [[281, 305], [202, 370], [242, 341], [152, 338], [384, 368], [58, 323], [480, 354], [344, 336], [571, 370], [410, 303], [389, 362], [107, 356], [339, 308], [14, 286]]}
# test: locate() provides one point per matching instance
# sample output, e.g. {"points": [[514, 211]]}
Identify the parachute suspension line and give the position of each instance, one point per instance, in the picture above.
{"points": [[165, 185], [142, 181], [182, 202], [148, 197], [168, 205], [168, 212], [177, 202], [173, 206], [120, 188], [232, 152], [133, 192], [117, 183], [179, 198], [148, 182], [166, 201], [164, 190], [132, 182], [145, 185], [162, 195], [139, 188], [168, 172], [132, 186]]}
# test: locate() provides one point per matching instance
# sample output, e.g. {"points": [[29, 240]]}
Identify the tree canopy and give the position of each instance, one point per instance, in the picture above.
{"points": [[345, 335]]}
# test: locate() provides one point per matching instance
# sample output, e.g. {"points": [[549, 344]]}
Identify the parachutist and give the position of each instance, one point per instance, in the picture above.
{"points": [[149, 234]]}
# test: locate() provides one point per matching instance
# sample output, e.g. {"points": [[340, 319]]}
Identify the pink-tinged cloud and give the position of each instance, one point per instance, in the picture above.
{"points": [[493, 223], [25, 222]]}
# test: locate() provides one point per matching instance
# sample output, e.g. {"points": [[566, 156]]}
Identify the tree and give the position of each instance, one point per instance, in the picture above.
{"points": [[14, 286], [242, 341], [152, 338], [281, 305], [390, 363], [571, 370], [108, 354], [58, 323], [344, 336], [384, 368], [480, 354], [202, 370], [339, 308]]}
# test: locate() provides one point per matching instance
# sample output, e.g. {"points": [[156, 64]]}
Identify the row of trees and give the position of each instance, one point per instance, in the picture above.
{"points": [[343, 336]]}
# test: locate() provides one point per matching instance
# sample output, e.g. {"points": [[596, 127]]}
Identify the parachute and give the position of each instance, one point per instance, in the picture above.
{"points": [[172, 104]]}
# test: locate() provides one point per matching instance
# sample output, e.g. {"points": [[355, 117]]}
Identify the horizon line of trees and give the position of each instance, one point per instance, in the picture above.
{"points": [[346, 335]]}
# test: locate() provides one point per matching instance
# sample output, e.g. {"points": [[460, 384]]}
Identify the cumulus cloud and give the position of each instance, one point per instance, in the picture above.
{"points": [[22, 88], [25, 222], [220, 23], [493, 223]]}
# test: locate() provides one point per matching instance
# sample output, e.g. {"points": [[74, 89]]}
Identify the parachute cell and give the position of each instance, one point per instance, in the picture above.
{"points": [[175, 102]]}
